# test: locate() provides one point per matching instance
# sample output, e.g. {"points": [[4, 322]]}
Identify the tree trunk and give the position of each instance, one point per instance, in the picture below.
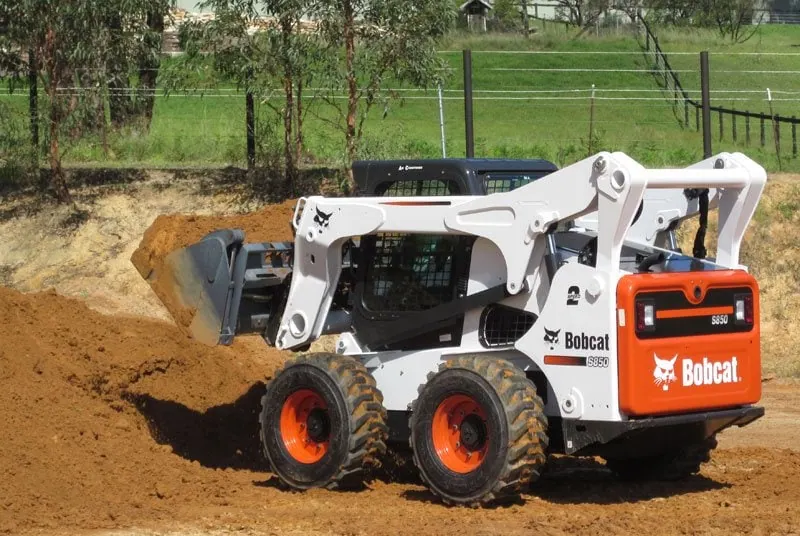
{"points": [[299, 118], [352, 89], [526, 27], [148, 67], [288, 110], [57, 179], [288, 113], [54, 75], [119, 99]]}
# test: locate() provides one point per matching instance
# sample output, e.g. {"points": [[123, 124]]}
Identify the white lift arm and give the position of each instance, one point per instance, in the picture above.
{"points": [[610, 183]]}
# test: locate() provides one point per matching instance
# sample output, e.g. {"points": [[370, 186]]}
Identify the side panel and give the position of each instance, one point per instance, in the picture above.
{"points": [[696, 356]]}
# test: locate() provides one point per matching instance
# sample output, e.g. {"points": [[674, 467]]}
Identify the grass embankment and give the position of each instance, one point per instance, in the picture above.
{"points": [[520, 109]]}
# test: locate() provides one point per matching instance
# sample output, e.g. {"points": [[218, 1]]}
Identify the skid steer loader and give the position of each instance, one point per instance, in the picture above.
{"points": [[491, 313]]}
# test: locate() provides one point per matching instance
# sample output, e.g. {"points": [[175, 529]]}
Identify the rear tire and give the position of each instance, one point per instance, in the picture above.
{"points": [[322, 422], [478, 431], [670, 466]]}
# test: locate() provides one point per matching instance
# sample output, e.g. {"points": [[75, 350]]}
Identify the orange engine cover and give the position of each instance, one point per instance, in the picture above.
{"points": [[698, 354]]}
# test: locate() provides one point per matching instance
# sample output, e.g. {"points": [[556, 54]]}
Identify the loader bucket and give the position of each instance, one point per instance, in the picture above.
{"points": [[193, 283]]}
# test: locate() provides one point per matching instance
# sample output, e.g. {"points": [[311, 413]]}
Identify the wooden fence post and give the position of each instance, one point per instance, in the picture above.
{"points": [[747, 127]]}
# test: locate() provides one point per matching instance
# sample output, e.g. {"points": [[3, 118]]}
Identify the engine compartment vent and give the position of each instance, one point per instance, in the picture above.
{"points": [[501, 325]]}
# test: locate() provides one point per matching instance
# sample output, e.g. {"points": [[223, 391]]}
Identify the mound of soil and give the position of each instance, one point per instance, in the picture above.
{"points": [[171, 232], [106, 420]]}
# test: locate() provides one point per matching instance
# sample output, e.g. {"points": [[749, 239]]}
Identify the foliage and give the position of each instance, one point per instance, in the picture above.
{"points": [[69, 45], [582, 13], [736, 20], [17, 161], [259, 62], [368, 43]]}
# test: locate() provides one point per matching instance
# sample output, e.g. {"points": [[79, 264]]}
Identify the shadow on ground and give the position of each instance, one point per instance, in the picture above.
{"points": [[224, 436], [568, 480]]}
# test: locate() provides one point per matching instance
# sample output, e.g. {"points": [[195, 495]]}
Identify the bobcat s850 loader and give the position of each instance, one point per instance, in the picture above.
{"points": [[492, 312]]}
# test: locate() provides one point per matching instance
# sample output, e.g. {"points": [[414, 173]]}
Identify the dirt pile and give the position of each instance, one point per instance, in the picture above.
{"points": [[171, 232], [82, 397]]}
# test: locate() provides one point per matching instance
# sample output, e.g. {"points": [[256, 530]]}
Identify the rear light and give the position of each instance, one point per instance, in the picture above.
{"points": [[743, 309], [645, 315]]}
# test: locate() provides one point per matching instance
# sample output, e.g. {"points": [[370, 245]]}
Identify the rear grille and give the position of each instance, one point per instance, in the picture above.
{"points": [[503, 326]]}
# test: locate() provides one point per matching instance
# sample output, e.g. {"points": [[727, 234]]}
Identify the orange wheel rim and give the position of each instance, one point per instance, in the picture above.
{"points": [[305, 428], [460, 436]]}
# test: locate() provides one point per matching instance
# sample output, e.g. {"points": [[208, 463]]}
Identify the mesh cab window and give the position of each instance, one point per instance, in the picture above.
{"points": [[411, 272], [506, 182], [418, 188]]}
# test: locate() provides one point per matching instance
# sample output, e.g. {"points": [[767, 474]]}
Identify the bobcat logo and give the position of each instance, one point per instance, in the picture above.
{"points": [[551, 337], [321, 218], [664, 373]]}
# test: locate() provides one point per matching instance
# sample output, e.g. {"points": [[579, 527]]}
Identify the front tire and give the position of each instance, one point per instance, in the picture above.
{"points": [[673, 465], [322, 422], [478, 431]]}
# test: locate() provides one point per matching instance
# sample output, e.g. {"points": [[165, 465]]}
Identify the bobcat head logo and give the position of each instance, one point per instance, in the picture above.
{"points": [[551, 337], [664, 373], [321, 218]]}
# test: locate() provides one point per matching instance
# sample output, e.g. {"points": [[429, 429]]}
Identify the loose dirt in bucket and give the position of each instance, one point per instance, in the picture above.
{"points": [[171, 232]]}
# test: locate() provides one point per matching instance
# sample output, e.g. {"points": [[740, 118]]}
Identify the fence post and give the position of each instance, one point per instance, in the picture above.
{"points": [[721, 132], [733, 119], [763, 135], [33, 99], [706, 104], [685, 113], [794, 135], [251, 123], [776, 130], [591, 122], [747, 127], [441, 121], [467, 60], [697, 118]]}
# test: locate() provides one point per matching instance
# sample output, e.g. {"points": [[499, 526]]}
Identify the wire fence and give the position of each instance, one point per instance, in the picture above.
{"points": [[559, 105]]}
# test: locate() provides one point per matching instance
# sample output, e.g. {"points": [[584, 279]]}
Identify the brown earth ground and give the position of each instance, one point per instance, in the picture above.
{"points": [[117, 424]]}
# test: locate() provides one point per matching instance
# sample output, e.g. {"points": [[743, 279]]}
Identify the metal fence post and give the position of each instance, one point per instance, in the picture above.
{"points": [[733, 124], [706, 104], [467, 60], [591, 121], [721, 131], [441, 121], [794, 135], [763, 134]]}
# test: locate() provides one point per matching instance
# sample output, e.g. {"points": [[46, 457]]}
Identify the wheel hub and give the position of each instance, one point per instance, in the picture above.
{"points": [[305, 426], [319, 426], [473, 432], [460, 434]]}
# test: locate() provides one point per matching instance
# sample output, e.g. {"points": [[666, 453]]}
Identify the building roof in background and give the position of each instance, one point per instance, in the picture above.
{"points": [[486, 3]]}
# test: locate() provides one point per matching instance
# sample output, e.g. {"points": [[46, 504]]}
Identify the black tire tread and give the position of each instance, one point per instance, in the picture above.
{"points": [[527, 427], [369, 432], [674, 465]]}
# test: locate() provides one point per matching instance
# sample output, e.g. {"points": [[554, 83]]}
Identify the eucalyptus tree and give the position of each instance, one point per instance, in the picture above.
{"points": [[259, 45], [369, 44]]}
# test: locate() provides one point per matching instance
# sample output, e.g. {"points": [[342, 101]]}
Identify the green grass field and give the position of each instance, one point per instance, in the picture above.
{"points": [[527, 105]]}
